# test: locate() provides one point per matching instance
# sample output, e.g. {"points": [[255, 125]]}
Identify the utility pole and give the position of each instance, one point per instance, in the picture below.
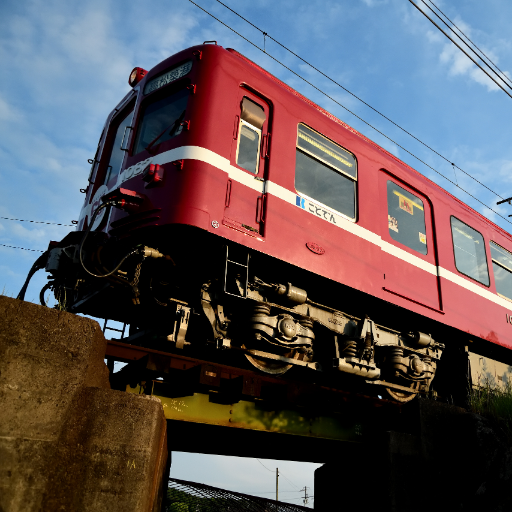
{"points": [[305, 495], [277, 484]]}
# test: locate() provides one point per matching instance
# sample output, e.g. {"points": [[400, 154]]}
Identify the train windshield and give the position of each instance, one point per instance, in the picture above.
{"points": [[161, 121]]}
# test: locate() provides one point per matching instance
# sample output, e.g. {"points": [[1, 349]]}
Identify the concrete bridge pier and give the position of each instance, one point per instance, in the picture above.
{"points": [[67, 441]]}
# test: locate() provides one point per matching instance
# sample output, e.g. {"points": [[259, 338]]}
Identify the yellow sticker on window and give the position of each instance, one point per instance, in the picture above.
{"points": [[406, 205], [423, 238]]}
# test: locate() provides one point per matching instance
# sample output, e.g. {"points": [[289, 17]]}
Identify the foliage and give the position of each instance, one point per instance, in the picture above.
{"points": [[181, 501], [177, 507], [493, 402]]}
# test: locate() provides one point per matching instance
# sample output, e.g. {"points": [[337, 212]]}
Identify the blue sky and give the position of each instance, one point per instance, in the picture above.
{"points": [[65, 66]]}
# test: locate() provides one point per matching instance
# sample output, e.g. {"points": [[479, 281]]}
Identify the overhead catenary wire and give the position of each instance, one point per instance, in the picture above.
{"points": [[357, 98], [459, 47], [366, 122], [486, 58]]}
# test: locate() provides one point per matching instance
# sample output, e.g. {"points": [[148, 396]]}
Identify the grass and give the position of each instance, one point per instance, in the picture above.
{"points": [[494, 403]]}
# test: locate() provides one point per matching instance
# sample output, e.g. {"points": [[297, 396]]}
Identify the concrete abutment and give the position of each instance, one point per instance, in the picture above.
{"points": [[67, 441]]}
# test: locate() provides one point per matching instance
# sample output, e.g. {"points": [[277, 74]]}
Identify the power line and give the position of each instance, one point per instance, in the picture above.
{"points": [[357, 98], [38, 222], [503, 75], [273, 492], [271, 470], [289, 481], [14, 247], [458, 46], [280, 474], [362, 120]]}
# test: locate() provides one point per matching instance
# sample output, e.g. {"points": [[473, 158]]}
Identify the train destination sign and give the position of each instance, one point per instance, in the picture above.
{"points": [[168, 77]]}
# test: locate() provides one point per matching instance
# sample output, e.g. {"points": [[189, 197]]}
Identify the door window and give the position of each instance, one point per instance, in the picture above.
{"points": [[249, 141], [406, 218], [117, 154]]}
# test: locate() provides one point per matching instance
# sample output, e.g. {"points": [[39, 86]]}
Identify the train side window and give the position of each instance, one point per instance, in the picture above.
{"points": [[469, 250], [502, 268], [325, 172], [161, 120], [249, 140], [117, 154], [406, 218]]}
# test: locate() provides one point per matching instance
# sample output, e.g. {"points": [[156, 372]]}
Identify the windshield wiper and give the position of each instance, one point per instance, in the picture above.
{"points": [[173, 126]]}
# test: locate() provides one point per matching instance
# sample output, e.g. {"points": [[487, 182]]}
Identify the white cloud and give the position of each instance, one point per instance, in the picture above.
{"points": [[373, 3], [6, 271], [435, 37], [7, 111], [460, 65]]}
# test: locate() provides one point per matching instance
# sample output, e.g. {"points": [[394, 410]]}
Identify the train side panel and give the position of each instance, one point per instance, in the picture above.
{"points": [[204, 187]]}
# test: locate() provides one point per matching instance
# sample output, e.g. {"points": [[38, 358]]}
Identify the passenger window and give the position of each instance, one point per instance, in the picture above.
{"points": [[406, 218], [502, 268], [469, 250], [161, 121], [249, 139], [325, 172], [117, 154]]}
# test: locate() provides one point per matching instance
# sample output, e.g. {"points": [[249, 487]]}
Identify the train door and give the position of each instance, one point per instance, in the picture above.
{"points": [[244, 207], [408, 245], [112, 158]]}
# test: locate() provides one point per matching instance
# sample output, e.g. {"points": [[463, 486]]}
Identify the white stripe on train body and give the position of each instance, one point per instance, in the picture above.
{"points": [[269, 187]]}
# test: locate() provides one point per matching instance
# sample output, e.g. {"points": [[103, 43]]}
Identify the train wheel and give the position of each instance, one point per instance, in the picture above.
{"points": [[403, 395], [272, 367]]}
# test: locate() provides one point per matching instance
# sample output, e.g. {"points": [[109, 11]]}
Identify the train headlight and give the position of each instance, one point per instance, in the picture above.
{"points": [[136, 76]]}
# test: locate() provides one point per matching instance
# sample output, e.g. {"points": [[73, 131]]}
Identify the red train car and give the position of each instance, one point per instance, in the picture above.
{"points": [[226, 214]]}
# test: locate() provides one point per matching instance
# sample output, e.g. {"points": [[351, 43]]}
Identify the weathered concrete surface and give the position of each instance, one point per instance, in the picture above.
{"points": [[68, 442], [449, 460], [111, 454]]}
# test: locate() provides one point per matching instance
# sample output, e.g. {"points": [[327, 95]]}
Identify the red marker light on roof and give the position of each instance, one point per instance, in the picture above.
{"points": [[136, 76]]}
